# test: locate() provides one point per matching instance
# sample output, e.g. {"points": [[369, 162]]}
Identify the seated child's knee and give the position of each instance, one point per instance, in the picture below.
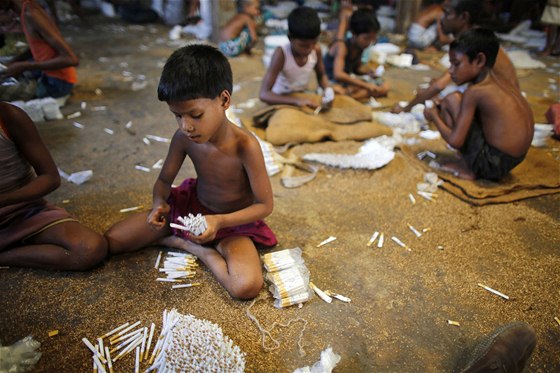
{"points": [[89, 252], [247, 288]]}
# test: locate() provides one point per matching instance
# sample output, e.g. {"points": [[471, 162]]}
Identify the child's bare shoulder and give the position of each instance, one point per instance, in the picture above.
{"points": [[244, 139]]}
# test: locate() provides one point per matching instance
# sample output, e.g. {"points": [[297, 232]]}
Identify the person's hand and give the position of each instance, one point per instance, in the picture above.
{"points": [[304, 102], [378, 90], [397, 109], [14, 69], [328, 97], [157, 217], [430, 113], [212, 227]]}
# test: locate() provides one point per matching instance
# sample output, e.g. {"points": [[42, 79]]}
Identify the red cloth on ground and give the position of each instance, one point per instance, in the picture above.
{"points": [[184, 200]]}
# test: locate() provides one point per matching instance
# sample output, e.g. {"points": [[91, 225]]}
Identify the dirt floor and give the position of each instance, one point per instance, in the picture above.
{"points": [[401, 300]]}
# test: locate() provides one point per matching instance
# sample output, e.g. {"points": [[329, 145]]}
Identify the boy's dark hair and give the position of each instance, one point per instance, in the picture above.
{"points": [[363, 21], [304, 23], [475, 41], [195, 71], [473, 7]]}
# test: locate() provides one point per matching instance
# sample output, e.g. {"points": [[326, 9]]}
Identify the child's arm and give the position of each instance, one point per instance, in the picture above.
{"points": [[162, 187], [252, 158], [436, 86], [24, 134], [252, 26], [266, 95], [341, 76], [38, 21], [455, 133], [320, 71]]}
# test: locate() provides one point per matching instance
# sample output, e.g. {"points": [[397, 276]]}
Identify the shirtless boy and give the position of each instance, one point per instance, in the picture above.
{"points": [[460, 16], [491, 124], [232, 190], [426, 29], [239, 34]]}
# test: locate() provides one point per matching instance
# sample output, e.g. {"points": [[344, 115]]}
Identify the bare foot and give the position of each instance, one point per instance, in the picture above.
{"points": [[458, 170], [181, 244]]}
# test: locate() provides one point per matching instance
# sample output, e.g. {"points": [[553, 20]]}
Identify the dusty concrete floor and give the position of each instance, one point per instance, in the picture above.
{"points": [[401, 301]]}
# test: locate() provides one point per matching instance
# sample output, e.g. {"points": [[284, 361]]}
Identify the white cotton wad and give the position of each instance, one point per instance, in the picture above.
{"points": [[19, 357], [328, 361]]}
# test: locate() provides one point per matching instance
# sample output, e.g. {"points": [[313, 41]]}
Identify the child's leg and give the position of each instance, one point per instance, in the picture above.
{"points": [[235, 263], [65, 246], [133, 234]]}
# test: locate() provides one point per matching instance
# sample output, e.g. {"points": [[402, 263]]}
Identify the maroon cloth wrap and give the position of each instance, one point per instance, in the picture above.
{"points": [[23, 220], [184, 200]]}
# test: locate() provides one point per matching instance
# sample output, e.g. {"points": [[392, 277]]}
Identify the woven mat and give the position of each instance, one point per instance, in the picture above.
{"points": [[537, 175]]}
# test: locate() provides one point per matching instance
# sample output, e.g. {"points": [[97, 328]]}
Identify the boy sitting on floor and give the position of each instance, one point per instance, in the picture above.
{"points": [[232, 191], [343, 61], [239, 34], [491, 124], [292, 64], [34, 233]]}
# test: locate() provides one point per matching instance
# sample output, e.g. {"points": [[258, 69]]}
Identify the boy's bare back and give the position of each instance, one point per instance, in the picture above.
{"points": [[505, 115]]}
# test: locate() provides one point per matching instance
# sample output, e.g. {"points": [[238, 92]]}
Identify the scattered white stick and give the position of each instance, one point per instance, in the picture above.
{"points": [[137, 361], [152, 328], [398, 242], [412, 199], [115, 330], [93, 350], [414, 230], [320, 293], [158, 138], [142, 168], [381, 239], [125, 330], [185, 285], [328, 240], [100, 367], [109, 131], [101, 349], [74, 115], [158, 260], [493, 291], [109, 362], [78, 125], [128, 209], [373, 238]]}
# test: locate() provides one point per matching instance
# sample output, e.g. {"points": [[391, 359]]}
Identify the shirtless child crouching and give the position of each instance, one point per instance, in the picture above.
{"points": [[491, 124]]}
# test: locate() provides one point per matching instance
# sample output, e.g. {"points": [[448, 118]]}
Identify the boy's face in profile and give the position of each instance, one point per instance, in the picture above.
{"points": [[462, 70], [302, 47], [366, 39], [199, 119]]}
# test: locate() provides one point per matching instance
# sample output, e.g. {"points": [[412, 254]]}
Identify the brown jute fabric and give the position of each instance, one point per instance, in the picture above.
{"points": [[537, 175]]}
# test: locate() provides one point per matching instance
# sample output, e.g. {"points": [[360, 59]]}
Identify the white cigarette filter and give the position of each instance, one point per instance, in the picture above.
{"points": [[320, 293], [373, 238], [381, 239], [493, 291], [328, 240]]}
